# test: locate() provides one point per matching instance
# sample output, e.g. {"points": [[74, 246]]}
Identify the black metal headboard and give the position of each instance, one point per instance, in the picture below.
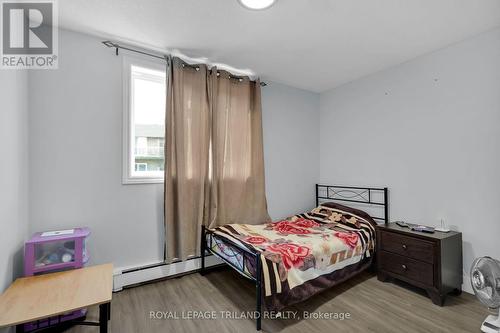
{"points": [[359, 195]]}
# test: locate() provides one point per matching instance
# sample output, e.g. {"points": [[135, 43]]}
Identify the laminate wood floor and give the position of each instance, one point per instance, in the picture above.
{"points": [[373, 306]]}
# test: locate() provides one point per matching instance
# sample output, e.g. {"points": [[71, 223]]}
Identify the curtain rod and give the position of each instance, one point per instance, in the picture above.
{"points": [[117, 46]]}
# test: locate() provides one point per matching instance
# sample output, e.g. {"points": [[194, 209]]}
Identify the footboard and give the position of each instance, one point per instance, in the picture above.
{"points": [[209, 240]]}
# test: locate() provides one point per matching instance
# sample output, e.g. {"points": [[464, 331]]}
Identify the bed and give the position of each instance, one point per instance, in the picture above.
{"points": [[295, 258]]}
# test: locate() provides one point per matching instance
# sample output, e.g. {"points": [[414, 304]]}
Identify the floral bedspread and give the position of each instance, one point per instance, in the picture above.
{"points": [[307, 246]]}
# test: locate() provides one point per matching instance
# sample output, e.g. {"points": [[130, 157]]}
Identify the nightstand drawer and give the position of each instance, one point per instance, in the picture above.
{"points": [[407, 246], [412, 269]]}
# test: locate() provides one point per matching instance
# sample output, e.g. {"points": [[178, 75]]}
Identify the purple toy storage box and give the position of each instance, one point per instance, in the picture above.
{"points": [[48, 252]]}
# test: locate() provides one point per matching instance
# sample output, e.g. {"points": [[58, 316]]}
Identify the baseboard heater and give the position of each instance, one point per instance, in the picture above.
{"points": [[127, 277]]}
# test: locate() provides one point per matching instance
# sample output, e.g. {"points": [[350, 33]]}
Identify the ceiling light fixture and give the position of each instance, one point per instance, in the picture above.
{"points": [[257, 4]]}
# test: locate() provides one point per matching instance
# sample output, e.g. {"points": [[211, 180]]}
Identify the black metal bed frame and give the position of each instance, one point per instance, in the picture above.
{"points": [[351, 194]]}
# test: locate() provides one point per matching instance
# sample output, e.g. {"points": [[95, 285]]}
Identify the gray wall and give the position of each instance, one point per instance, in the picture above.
{"points": [[13, 173], [291, 148], [430, 130], [76, 154]]}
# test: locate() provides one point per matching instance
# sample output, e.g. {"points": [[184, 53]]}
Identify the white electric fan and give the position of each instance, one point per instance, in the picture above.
{"points": [[485, 280]]}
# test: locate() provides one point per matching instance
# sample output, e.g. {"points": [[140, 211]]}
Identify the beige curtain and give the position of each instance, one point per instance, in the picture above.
{"points": [[186, 157], [214, 155], [237, 185]]}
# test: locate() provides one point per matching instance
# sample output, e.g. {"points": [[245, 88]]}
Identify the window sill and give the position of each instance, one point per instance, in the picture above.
{"points": [[138, 181]]}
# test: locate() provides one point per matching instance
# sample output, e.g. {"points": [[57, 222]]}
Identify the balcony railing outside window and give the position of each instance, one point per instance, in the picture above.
{"points": [[150, 151]]}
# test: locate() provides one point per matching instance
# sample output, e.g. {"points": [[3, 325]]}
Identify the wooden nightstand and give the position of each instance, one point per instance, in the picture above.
{"points": [[429, 261]]}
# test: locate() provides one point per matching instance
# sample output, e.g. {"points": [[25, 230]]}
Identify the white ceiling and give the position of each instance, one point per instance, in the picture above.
{"points": [[311, 44]]}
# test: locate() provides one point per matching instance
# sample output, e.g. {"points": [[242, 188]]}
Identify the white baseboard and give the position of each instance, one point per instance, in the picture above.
{"points": [[123, 277], [466, 286]]}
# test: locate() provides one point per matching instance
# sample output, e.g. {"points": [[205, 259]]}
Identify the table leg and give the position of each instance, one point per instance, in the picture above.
{"points": [[104, 317]]}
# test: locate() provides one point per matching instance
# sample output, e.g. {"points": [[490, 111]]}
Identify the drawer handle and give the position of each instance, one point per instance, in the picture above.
{"points": [[405, 247], [404, 267]]}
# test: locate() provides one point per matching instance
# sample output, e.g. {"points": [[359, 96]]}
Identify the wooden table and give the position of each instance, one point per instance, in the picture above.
{"points": [[36, 297]]}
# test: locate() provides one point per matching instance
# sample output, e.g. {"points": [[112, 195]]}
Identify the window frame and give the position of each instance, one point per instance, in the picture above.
{"points": [[128, 161]]}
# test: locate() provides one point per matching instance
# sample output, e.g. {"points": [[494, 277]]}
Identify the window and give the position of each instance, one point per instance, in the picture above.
{"points": [[144, 121]]}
